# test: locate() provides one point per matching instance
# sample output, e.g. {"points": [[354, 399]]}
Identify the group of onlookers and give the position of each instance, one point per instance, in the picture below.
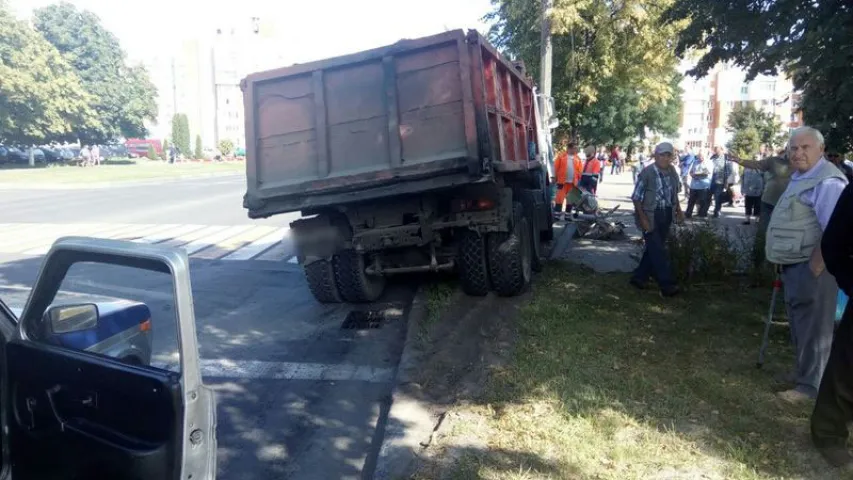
{"points": [[805, 203]]}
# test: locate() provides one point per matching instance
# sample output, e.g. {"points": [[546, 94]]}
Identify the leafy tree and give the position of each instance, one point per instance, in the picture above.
{"points": [[123, 96], [41, 98], [181, 133], [766, 126], [226, 147], [152, 154], [809, 41], [745, 142], [199, 152], [614, 65]]}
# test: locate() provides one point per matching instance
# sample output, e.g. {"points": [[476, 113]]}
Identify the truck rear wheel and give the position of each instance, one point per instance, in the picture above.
{"points": [[321, 281], [354, 283], [528, 200], [473, 265], [509, 255]]}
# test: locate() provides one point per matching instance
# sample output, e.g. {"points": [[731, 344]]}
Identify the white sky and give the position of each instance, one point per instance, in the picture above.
{"points": [[313, 29]]}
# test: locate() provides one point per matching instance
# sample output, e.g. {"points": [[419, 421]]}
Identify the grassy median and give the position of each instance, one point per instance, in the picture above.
{"points": [[607, 382], [122, 171]]}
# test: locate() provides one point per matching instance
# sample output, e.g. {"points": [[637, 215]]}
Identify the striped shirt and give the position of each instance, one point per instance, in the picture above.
{"points": [[664, 189]]}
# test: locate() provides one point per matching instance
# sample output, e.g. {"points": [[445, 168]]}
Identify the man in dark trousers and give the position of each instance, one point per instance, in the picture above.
{"points": [[834, 405], [656, 205]]}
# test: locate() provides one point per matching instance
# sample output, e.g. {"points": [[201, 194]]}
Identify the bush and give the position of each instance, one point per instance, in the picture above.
{"points": [[164, 155], [226, 147], [199, 153], [152, 154], [700, 253], [704, 253]]}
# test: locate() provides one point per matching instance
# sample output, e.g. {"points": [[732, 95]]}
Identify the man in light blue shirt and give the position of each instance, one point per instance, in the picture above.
{"points": [[700, 186], [793, 242]]}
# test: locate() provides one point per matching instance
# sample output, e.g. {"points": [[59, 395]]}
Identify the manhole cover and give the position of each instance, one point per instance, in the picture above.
{"points": [[360, 320]]}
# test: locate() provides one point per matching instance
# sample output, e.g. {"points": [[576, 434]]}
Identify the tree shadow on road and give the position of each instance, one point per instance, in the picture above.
{"points": [[280, 416]]}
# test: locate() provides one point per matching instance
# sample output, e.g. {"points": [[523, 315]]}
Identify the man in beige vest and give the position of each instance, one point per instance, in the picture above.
{"points": [[793, 242]]}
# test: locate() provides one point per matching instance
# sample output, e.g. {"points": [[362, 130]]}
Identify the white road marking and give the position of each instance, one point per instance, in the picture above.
{"points": [[24, 240], [137, 294], [156, 233], [203, 243], [46, 243], [261, 370], [235, 243], [258, 246], [131, 231], [193, 236], [170, 233]]}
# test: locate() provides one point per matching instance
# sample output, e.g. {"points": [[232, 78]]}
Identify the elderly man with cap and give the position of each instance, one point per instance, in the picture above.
{"points": [[655, 207], [793, 242]]}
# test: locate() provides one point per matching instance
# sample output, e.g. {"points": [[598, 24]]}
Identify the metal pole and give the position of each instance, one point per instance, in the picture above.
{"points": [[765, 339], [546, 53]]}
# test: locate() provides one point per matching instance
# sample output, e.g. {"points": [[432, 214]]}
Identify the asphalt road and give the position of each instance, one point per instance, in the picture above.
{"points": [[298, 395]]}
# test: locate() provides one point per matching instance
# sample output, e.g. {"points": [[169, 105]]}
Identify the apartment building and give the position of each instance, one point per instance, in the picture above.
{"points": [[201, 78], [708, 102]]}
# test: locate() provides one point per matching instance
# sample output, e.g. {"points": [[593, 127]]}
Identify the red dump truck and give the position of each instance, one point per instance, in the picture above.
{"points": [[419, 156]]}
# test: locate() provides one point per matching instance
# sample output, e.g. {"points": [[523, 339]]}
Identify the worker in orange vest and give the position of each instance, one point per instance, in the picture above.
{"points": [[591, 171], [567, 174]]}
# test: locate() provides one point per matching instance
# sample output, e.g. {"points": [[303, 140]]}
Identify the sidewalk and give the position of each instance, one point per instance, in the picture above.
{"points": [[616, 256]]}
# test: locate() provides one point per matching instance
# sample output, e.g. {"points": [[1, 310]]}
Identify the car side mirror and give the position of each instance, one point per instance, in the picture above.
{"points": [[72, 318]]}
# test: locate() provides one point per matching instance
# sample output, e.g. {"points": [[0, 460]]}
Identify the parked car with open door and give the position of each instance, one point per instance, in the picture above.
{"points": [[73, 413]]}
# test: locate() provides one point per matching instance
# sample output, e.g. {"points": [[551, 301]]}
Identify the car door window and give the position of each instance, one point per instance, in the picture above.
{"points": [[116, 311], [94, 371]]}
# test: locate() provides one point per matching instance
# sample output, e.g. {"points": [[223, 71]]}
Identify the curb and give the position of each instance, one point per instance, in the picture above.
{"points": [[104, 185], [563, 240], [409, 423]]}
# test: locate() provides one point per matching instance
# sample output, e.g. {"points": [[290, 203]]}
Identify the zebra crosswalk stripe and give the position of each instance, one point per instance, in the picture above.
{"points": [[203, 243], [258, 246], [210, 242], [44, 244]]}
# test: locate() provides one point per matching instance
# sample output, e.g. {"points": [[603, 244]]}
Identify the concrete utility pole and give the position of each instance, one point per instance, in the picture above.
{"points": [[546, 53]]}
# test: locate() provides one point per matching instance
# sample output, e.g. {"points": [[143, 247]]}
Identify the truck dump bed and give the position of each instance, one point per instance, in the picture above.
{"points": [[416, 116]]}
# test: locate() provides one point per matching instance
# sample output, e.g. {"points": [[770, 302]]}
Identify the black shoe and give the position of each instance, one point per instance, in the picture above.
{"points": [[747, 222], [670, 292], [838, 456], [789, 378], [637, 284]]}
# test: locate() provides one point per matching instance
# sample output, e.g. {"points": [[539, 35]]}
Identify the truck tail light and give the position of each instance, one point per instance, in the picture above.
{"points": [[468, 204]]}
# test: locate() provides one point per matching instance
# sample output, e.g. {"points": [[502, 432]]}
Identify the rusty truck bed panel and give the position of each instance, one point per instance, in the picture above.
{"points": [[432, 107]]}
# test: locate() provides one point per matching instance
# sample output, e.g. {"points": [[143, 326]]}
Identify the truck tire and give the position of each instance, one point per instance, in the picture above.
{"points": [[528, 201], [509, 255], [355, 285], [321, 281], [473, 264]]}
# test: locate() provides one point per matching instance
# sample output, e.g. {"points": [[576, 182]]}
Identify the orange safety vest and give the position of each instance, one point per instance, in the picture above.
{"points": [[593, 166]]}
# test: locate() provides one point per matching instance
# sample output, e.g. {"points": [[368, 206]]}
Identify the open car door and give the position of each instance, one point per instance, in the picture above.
{"points": [[70, 410]]}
